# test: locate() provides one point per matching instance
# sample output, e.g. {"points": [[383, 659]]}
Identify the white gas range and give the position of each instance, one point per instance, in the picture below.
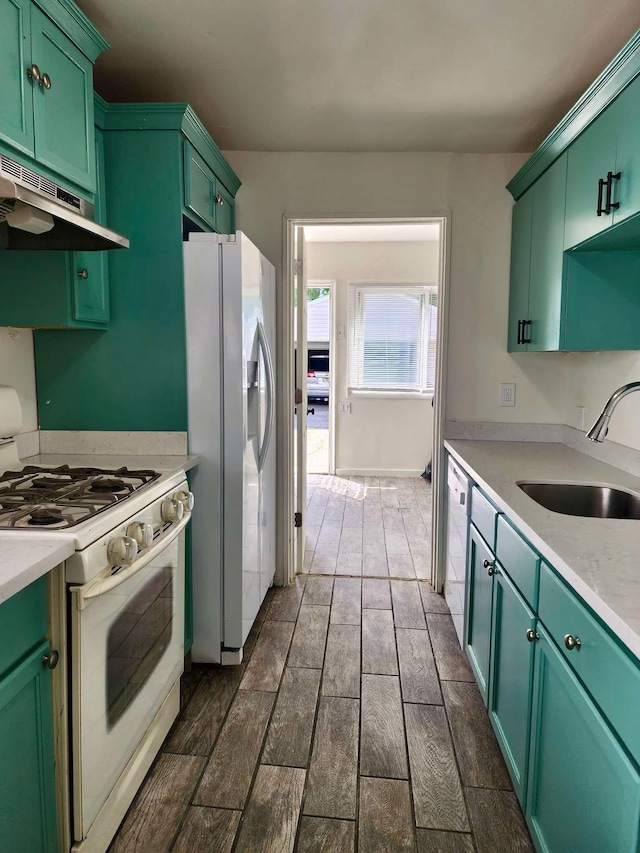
{"points": [[125, 615]]}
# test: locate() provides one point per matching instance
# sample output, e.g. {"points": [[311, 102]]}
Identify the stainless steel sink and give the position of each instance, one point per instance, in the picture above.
{"points": [[584, 499]]}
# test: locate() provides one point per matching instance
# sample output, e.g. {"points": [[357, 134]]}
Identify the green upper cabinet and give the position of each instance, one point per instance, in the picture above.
{"points": [[47, 51], [16, 101], [205, 197], [63, 104], [626, 190], [520, 270], [591, 157]]}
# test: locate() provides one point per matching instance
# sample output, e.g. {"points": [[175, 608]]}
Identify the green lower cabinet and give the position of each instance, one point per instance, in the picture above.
{"points": [[479, 605], [583, 790], [511, 673], [27, 764]]}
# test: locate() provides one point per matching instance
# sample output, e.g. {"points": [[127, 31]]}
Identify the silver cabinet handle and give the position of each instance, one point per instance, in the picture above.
{"points": [[33, 73], [51, 660], [532, 635], [46, 81], [219, 200], [491, 569], [83, 273], [572, 642]]}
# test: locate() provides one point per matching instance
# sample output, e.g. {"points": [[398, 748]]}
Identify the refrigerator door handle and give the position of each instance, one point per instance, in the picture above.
{"points": [[268, 429]]}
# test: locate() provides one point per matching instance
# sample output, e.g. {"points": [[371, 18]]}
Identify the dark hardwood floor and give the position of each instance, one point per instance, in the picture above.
{"points": [[354, 723]]}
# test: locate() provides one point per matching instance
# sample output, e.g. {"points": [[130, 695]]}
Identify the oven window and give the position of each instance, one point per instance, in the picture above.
{"points": [[136, 642]]}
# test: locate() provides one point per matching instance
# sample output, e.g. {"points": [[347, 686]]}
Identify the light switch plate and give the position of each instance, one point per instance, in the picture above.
{"points": [[507, 394]]}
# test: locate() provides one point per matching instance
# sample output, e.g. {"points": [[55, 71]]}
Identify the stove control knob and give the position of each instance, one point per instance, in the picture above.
{"points": [[122, 551], [186, 499], [171, 510], [142, 533]]}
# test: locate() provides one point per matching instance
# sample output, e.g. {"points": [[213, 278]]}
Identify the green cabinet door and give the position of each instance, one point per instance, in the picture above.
{"points": [[626, 190], [16, 95], [583, 791], [27, 766], [511, 674], [479, 603], [224, 210], [520, 269], [545, 282], [199, 187], [90, 287], [590, 158], [63, 113]]}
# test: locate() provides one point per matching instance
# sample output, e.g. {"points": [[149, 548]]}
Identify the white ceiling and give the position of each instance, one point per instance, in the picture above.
{"points": [[397, 233], [362, 75]]}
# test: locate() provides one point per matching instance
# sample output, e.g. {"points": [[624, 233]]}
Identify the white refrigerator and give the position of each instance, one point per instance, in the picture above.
{"points": [[230, 328]]}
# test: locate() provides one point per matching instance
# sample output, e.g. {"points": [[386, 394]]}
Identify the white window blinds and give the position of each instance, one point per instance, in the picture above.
{"points": [[392, 337]]}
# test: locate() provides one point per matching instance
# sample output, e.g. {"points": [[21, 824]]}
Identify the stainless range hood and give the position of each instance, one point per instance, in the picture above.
{"points": [[34, 203]]}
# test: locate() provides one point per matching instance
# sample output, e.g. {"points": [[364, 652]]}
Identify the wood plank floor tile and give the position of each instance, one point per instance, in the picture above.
{"points": [[385, 822], [318, 590], [376, 594], [330, 532], [271, 817], [451, 661], [333, 770], [286, 601], [157, 812], [437, 793], [207, 829], [497, 822], [431, 601], [396, 542], [325, 558], [479, 756], [289, 736], [375, 565], [378, 643], [197, 727], [267, 661], [401, 566], [418, 674], [382, 744], [422, 563], [407, 605], [348, 564], [227, 778], [307, 646], [341, 674], [347, 601], [325, 835], [351, 540], [435, 841]]}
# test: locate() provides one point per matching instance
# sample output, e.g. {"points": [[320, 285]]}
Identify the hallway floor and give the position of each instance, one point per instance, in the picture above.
{"points": [[371, 526], [354, 723]]}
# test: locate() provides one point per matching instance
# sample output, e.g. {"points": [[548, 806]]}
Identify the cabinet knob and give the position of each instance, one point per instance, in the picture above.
{"points": [[46, 81], [491, 569], [532, 635], [83, 273], [33, 73], [219, 199], [572, 642], [51, 660]]}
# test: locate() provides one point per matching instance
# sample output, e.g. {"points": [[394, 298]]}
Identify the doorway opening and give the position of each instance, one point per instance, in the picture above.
{"points": [[367, 511]]}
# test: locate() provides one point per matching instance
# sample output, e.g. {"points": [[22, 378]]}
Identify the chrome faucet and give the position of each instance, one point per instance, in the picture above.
{"points": [[600, 428]]}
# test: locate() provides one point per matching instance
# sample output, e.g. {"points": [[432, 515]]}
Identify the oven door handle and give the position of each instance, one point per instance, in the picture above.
{"points": [[102, 584]]}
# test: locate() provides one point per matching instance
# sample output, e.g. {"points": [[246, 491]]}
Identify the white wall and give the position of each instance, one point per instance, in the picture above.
{"points": [[472, 187], [380, 435], [17, 368]]}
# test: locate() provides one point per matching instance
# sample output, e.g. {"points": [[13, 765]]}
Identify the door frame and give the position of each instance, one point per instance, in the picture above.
{"points": [[287, 344], [330, 284]]}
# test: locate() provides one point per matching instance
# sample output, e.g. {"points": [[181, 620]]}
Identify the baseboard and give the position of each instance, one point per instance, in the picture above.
{"points": [[379, 472]]}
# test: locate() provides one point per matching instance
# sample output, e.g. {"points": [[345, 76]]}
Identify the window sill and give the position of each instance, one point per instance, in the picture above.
{"points": [[390, 395]]}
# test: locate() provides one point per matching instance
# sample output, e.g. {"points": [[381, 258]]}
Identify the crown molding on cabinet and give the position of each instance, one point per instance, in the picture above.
{"points": [[72, 21], [173, 116], [623, 68]]}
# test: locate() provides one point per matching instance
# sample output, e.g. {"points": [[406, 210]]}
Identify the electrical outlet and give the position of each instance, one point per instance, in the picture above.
{"points": [[344, 408], [507, 394]]}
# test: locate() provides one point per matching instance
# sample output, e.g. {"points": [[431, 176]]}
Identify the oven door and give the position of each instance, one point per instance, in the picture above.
{"points": [[127, 632]]}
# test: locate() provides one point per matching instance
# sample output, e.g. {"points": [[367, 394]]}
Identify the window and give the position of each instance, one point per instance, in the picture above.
{"points": [[392, 337]]}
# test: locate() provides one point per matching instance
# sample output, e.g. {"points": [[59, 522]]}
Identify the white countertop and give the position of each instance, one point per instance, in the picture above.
{"points": [[25, 557], [600, 558], [164, 464]]}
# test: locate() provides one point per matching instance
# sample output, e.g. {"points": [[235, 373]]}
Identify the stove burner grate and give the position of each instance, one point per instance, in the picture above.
{"points": [[43, 516], [109, 485]]}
